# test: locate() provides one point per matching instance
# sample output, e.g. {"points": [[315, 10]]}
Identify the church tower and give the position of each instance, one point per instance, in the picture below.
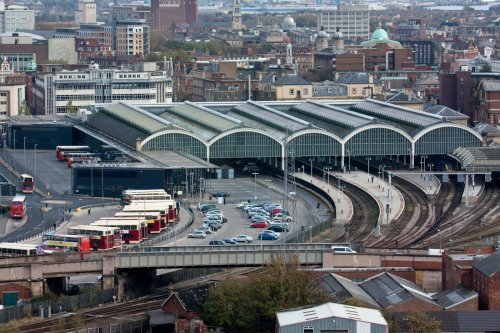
{"points": [[237, 24]]}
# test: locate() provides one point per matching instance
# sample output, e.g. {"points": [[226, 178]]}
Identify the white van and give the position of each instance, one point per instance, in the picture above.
{"points": [[342, 249]]}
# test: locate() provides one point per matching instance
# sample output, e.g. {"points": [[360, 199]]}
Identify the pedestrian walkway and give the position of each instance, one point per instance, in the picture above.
{"points": [[343, 204], [430, 186], [378, 189]]}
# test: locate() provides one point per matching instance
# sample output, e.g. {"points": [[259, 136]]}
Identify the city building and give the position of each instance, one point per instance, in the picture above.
{"points": [[16, 17], [131, 37], [237, 23], [424, 51], [455, 89], [352, 20], [55, 92], [489, 102], [23, 50], [85, 11], [168, 12], [12, 91], [486, 279]]}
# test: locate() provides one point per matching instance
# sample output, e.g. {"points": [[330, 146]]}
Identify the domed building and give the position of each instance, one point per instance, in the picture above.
{"points": [[381, 36], [338, 41], [321, 41], [288, 24]]}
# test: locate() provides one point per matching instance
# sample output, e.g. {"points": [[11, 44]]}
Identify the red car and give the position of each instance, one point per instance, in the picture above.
{"points": [[259, 224]]}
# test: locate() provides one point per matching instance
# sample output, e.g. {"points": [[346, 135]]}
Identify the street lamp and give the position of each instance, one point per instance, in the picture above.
{"points": [[255, 185], [349, 159], [328, 169], [381, 172], [338, 178], [430, 175], [368, 169], [268, 181], [311, 160], [34, 178], [24, 152]]}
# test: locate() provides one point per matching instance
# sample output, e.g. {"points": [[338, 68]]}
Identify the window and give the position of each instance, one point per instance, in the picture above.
{"points": [[354, 90], [292, 92], [306, 91], [308, 329]]}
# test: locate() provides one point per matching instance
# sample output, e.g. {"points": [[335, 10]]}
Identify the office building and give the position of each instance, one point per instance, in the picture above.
{"points": [[168, 12], [142, 85], [23, 50], [85, 11], [12, 91], [16, 17], [352, 20]]}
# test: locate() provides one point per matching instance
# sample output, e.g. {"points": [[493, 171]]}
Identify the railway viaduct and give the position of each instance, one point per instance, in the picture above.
{"points": [[41, 273]]}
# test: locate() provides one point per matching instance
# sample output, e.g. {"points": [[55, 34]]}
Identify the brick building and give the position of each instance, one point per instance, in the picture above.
{"points": [[167, 13], [486, 281], [455, 90], [489, 102]]}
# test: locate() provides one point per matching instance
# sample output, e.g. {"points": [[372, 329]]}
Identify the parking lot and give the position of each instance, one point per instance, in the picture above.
{"points": [[243, 189]]}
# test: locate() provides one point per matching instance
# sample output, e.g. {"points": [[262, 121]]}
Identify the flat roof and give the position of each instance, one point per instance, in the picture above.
{"points": [[175, 160]]}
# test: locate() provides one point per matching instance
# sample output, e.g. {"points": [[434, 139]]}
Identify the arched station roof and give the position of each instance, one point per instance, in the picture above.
{"points": [[209, 130]]}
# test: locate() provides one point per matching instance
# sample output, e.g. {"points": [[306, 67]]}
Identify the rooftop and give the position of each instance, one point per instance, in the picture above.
{"points": [[445, 111], [489, 265]]}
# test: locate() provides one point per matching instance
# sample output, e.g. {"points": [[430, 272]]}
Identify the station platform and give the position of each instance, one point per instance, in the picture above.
{"points": [[430, 187], [343, 203], [377, 189]]}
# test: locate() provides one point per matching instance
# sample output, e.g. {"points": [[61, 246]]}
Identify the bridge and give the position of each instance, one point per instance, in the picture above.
{"points": [[34, 272]]}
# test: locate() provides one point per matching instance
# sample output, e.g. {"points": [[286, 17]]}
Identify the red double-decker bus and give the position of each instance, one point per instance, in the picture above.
{"points": [[169, 205], [101, 238], [18, 207], [154, 220], [129, 195], [62, 150], [65, 243], [148, 207], [133, 230], [26, 183]]}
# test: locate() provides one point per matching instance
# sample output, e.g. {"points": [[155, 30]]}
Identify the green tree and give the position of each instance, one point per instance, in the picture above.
{"points": [[25, 108], [417, 322], [70, 108], [486, 68]]}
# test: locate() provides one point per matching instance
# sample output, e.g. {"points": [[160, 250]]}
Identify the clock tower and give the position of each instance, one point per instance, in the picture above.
{"points": [[237, 24]]}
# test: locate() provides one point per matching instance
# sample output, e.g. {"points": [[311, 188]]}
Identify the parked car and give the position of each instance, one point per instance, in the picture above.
{"points": [[259, 217], [206, 208], [279, 223], [214, 226], [197, 234], [267, 236], [271, 232], [217, 242], [282, 217], [242, 204], [221, 195], [243, 239], [205, 229], [278, 228], [229, 241], [259, 224]]}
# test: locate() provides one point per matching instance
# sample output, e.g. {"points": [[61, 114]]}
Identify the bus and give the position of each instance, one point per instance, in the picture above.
{"points": [[169, 205], [66, 243], [101, 238], [81, 158], [17, 249], [133, 229], [129, 195], [26, 183], [60, 150], [154, 220], [18, 207], [149, 207]]}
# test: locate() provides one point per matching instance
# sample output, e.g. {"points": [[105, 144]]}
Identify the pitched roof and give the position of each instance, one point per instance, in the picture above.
{"points": [[343, 289], [484, 129], [355, 78], [454, 296], [403, 97], [192, 298], [491, 85], [291, 80], [489, 265], [445, 111]]}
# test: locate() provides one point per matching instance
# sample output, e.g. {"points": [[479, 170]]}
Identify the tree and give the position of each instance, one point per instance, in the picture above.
{"points": [[486, 68], [70, 108], [25, 108], [252, 305], [416, 322]]}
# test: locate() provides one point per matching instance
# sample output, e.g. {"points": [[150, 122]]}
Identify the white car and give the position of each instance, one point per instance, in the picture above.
{"points": [[282, 217], [206, 230], [197, 234], [242, 204], [243, 239], [280, 223]]}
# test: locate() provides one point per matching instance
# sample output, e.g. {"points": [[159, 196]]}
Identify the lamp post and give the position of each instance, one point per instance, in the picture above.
{"points": [[311, 160], [439, 231], [368, 169], [342, 199], [409, 157], [24, 153], [430, 175], [268, 181], [255, 185], [338, 178], [14, 146], [349, 159], [328, 177], [380, 172], [34, 178]]}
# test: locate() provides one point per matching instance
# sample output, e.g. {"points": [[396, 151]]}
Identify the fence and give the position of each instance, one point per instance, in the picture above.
{"points": [[62, 304]]}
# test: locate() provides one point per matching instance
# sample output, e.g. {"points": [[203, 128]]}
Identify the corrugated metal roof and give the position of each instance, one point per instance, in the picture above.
{"points": [[114, 127], [329, 310], [467, 321], [409, 119], [136, 117], [454, 296]]}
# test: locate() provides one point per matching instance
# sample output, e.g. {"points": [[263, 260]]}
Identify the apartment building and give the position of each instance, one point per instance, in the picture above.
{"points": [[12, 91], [131, 37], [55, 92], [352, 20]]}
